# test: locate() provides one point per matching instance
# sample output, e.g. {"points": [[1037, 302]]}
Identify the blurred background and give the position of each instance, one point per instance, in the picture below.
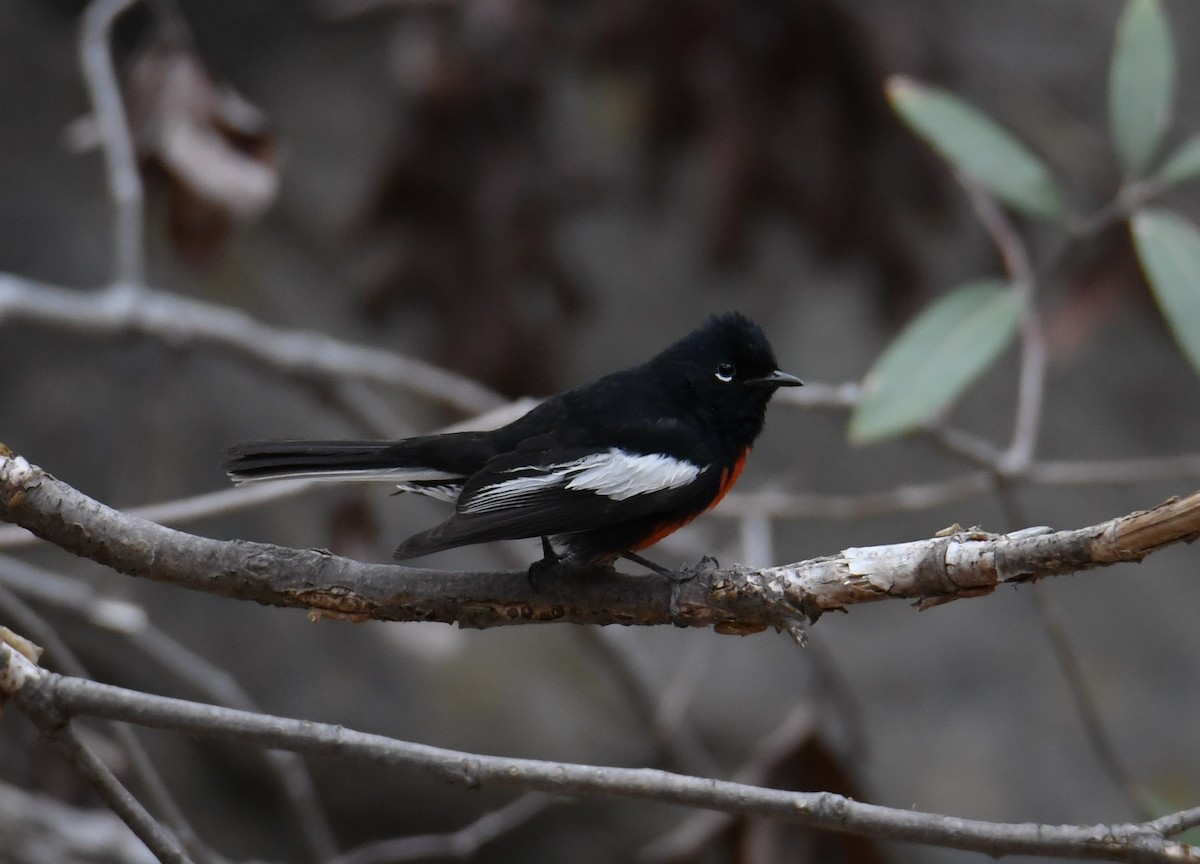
{"points": [[532, 194]]}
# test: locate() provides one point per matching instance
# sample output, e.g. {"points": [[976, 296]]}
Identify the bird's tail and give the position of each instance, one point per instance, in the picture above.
{"points": [[327, 460]]}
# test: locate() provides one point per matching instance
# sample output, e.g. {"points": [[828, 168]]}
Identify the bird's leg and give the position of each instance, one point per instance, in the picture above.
{"points": [[675, 577], [550, 560], [647, 563]]}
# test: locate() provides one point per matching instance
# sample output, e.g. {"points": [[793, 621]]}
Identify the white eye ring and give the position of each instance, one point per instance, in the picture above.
{"points": [[725, 372]]}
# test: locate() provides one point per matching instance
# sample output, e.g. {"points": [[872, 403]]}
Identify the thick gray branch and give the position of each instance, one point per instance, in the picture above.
{"points": [[41, 693], [733, 600]]}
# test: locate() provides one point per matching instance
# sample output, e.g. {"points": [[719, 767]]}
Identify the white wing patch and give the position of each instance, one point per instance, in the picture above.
{"points": [[614, 474], [620, 475]]}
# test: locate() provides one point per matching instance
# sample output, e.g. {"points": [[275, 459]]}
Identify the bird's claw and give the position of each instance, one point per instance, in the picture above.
{"points": [[677, 580]]}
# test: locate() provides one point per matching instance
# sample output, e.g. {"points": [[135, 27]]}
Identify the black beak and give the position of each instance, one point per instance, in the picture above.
{"points": [[776, 379]]}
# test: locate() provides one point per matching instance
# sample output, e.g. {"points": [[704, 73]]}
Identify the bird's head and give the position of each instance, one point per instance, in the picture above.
{"points": [[731, 369]]}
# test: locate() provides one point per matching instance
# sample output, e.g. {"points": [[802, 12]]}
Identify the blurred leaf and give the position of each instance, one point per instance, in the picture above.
{"points": [[973, 142], [1141, 84], [1169, 248], [211, 149], [934, 359], [1183, 164]]}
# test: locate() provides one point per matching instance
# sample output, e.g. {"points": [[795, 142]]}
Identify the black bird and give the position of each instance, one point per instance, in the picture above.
{"points": [[599, 472]]}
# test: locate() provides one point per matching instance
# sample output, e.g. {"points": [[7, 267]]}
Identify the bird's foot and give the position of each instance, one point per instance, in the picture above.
{"points": [[553, 562], [680, 577], [538, 569]]}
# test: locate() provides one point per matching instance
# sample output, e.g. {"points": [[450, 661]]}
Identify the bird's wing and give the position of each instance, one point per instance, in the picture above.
{"points": [[531, 493]]}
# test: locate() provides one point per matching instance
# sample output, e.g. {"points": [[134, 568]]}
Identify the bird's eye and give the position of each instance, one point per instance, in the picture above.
{"points": [[725, 371]]}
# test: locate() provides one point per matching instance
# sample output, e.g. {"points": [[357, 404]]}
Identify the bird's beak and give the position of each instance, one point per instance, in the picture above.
{"points": [[777, 379]]}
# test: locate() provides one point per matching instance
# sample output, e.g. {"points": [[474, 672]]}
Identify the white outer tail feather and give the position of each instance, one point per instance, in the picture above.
{"points": [[392, 475]]}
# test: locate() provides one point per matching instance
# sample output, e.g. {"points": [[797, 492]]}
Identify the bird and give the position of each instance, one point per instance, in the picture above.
{"points": [[599, 472]]}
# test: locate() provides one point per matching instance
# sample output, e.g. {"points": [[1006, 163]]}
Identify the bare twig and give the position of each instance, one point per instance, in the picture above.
{"points": [[1097, 472], [461, 844], [183, 323], [901, 499], [124, 183], [737, 600], [1088, 707], [1177, 823], [63, 740], [40, 693], [143, 769], [1031, 383], [210, 681], [819, 395], [1082, 693]]}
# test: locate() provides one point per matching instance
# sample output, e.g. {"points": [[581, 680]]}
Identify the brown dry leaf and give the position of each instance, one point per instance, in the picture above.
{"points": [[811, 765], [210, 147]]}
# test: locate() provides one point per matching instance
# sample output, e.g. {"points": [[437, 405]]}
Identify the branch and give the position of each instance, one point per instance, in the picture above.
{"points": [[1031, 383], [210, 681], [41, 693], [124, 182], [140, 764], [63, 740], [733, 600], [182, 323]]}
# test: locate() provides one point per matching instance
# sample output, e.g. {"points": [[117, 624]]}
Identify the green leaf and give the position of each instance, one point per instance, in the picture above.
{"points": [[1141, 84], [934, 359], [971, 141], [1169, 248], [1183, 164]]}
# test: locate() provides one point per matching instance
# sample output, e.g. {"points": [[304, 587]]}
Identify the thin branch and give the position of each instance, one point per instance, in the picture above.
{"points": [[142, 767], [183, 323], [1086, 703], [1032, 380], [461, 844], [212, 682], [1082, 693], [901, 499], [124, 183], [735, 600], [819, 395], [1103, 472], [40, 693], [63, 740], [1129, 198], [1176, 823]]}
